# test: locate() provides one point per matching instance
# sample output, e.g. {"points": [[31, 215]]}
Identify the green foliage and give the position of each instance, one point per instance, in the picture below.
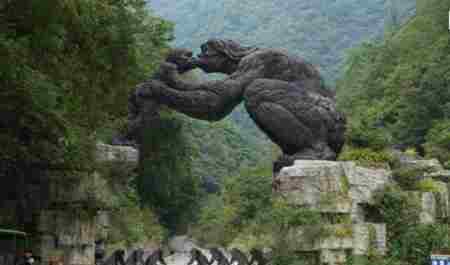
{"points": [[438, 140], [366, 157], [408, 177], [165, 181], [223, 149], [399, 210], [429, 185], [319, 31], [399, 87], [244, 197], [66, 68], [408, 240], [246, 215], [131, 222]]}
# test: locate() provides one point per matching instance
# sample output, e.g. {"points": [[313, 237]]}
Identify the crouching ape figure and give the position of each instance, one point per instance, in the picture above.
{"points": [[218, 256], [283, 94], [155, 257], [197, 256]]}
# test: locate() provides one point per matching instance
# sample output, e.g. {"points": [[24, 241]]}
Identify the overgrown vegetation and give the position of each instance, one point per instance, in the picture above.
{"points": [[131, 222], [409, 241], [396, 91], [246, 215], [66, 69]]}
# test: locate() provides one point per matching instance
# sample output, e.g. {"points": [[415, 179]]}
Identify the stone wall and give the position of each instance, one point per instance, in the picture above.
{"points": [[66, 212], [341, 189], [346, 191]]}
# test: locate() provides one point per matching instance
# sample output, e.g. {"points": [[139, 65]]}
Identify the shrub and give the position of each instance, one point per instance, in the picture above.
{"points": [[408, 177], [366, 157], [438, 141], [429, 185]]}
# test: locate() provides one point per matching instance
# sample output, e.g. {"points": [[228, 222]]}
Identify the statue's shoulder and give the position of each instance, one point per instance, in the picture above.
{"points": [[262, 56]]}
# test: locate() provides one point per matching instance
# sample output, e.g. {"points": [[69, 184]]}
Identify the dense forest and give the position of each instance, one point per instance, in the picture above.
{"points": [[396, 90]]}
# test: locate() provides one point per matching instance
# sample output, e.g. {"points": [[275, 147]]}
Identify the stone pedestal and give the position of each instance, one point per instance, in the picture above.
{"points": [[340, 189], [75, 211]]}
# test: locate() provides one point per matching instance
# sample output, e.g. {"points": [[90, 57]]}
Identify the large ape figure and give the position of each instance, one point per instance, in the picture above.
{"points": [[283, 94]]}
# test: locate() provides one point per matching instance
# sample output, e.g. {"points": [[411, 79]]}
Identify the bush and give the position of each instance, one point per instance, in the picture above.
{"points": [[438, 141], [366, 157], [408, 177]]}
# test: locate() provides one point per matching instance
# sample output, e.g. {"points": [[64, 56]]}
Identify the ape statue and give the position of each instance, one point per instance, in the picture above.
{"points": [[283, 94], [238, 256], [140, 102], [155, 257], [217, 255], [197, 255], [258, 256]]}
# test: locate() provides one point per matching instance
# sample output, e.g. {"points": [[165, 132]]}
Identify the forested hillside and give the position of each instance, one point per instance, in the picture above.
{"points": [[319, 31], [397, 91]]}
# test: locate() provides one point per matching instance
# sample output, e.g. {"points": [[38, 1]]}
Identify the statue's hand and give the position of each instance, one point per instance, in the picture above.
{"points": [[168, 72]]}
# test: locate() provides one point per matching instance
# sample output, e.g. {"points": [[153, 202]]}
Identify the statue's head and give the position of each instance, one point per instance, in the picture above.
{"points": [[221, 56], [182, 58]]}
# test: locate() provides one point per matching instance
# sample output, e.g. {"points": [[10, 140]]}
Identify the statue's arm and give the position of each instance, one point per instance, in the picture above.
{"points": [[211, 100]]}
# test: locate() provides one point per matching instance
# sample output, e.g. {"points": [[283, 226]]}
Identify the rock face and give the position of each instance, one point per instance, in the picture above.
{"points": [[67, 219], [336, 189]]}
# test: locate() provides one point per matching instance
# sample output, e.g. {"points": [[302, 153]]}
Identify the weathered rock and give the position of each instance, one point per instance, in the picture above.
{"points": [[432, 165], [111, 153], [67, 236], [332, 188], [369, 237], [441, 175], [434, 205]]}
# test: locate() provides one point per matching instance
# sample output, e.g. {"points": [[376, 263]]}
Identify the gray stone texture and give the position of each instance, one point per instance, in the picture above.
{"points": [[335, 188]]}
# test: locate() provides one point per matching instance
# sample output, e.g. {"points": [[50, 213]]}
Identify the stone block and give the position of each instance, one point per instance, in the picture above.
{"points": [[441, 175], [111, 153], [432, 165], [333, 257], [369, 237], [330, 186]]}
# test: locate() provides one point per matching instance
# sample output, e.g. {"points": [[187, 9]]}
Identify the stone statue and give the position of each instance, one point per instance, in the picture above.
{"points": [[217, 255], [197, 256], [141, 105], [283, 94]]}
